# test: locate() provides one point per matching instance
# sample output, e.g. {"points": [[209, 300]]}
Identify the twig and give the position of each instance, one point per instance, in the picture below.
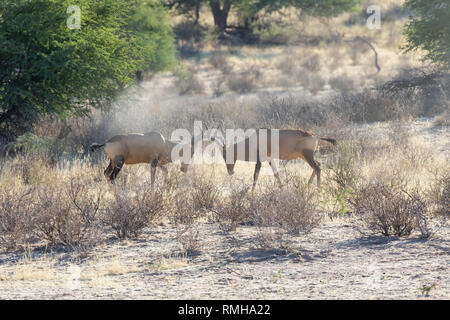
{"points": [[358, 38]]}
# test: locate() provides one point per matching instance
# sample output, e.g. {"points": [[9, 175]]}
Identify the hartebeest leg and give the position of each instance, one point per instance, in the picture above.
{"points": [[256, 174], [312, 177], [273, 165], [108, 170], [153, 172], [119, 162], [153, 176], [309, 157]]}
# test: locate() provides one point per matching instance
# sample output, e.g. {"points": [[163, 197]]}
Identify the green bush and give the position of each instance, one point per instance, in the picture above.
{"points": [[35, 146], [276, 34], [150, 24], [47, 68], [428, 30], [344, 172]]}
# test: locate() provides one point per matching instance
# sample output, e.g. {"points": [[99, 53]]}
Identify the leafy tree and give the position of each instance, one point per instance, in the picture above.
{"points": [[47, 68], [248, 9], [187, 6], [150, 24], [310, 7], [428, 30]]}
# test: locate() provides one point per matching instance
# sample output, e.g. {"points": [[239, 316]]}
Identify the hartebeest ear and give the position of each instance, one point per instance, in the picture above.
{"points": [[220, 140]]}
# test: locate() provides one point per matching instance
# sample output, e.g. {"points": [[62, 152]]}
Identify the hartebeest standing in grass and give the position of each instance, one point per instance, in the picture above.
{"points": [[292, 144], [139, 148]]}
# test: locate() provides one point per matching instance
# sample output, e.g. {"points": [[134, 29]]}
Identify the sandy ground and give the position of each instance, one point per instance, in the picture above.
{"points": [[333, 262]]}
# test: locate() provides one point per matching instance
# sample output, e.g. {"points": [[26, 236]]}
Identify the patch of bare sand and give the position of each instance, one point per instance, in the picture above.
{"points": [[333, 262]]}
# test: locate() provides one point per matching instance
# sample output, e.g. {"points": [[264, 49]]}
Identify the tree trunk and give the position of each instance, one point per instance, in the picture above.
{"points": [[197, 12], [220, 13]]}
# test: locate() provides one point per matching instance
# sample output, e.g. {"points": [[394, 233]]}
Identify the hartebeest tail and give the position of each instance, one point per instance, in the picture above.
{"points": [[95, 146], [332, 141], [292, 144]]}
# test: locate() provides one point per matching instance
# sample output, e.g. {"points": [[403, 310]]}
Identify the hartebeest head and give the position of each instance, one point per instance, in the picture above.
{"points": [[230, 164]]}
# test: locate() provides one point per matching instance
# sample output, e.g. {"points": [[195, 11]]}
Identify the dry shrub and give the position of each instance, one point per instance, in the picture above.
{"points": [[292, 210], [218, 87], [389, 208], [278, 213], [442, 120], [16, 220], [189, 31], [426, 89], [290, 112], [414, 156], [342, 83], [195, 199], [399, 134], [190, 38], [234, 209], [183, 210], [371, 105], [65, 213], [172, 181], [288, 66], [274, 33], [131, 209], [344, 173], [273, 238], [190, 240], [316, 83], [244, 81], [440, 194], [187, 81], [312, 63], [303, 78], [205, 192], [218, 60], [68, 215], [29, 169], [444, 197]]}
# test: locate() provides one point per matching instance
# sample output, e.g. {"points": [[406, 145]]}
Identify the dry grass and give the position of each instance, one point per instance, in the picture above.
{"points": [[169, 263], [439, 193], [29, 268], [191, 240], [108, 266]]}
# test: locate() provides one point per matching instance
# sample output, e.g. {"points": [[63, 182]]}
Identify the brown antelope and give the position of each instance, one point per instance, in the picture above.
{"points": [[139, 148], [293, 144]]}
